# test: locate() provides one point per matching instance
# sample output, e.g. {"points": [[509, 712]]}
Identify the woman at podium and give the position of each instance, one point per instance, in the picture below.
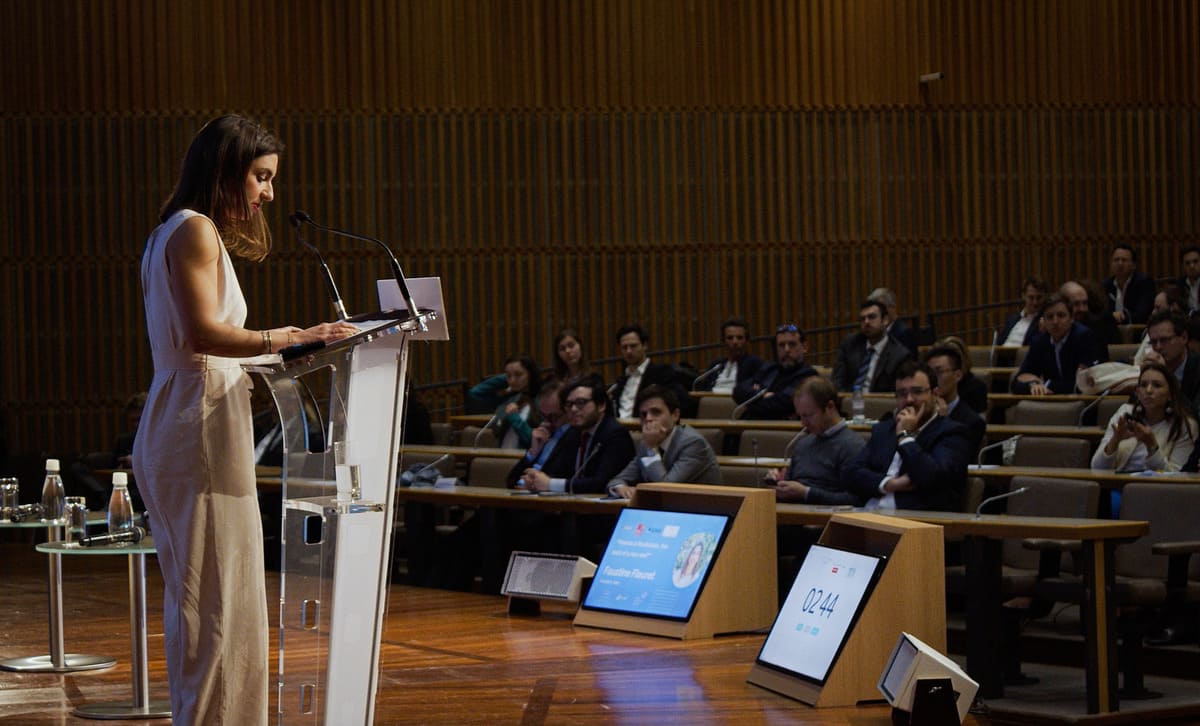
{"points": [[194, 455]]}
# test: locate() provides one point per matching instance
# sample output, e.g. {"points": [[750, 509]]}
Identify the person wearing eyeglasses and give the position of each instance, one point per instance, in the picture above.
{"points": [[768, 395], [669, 451], [915, 459], [595, 449], [1057, 353], [1167, 334], [946, 362], [869, 358]]}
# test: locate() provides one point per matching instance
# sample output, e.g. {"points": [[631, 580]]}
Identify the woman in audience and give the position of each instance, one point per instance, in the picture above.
{"points": [[568, 356], [512, 393], [1156, 433], [971, 390]]}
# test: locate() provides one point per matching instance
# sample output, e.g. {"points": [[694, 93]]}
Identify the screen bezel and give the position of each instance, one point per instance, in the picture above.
{"points": [[631, 511], [880, 563]]}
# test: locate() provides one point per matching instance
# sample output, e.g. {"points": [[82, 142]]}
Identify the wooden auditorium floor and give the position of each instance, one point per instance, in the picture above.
{"points": [[447, 658]]}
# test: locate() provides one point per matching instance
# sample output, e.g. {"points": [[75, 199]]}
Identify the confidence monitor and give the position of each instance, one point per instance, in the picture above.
{"points": [[656, 563], [821, 609]]}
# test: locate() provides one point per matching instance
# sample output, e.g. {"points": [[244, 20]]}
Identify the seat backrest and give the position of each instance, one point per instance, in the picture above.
{"points": [[1047, 497], [770, 443], [486, 440], [1045, 413], [742, 476], [714, 437], [1019, 358], [1107, 407], [876, 406], [972, 494], [715, 407], [1122, 352], [489, 471], [1053, 451], [443, 433], [1170, 508], [980, 355], [1130, 333]]}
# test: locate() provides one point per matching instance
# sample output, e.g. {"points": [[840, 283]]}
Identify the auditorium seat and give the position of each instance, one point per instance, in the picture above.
{"points": [[1052, 452], [714, 437], [1044, 413], [1106, 408], [1153, 571], [1122, 352], [765, 443], [471, 436], [1130, 333], [715, 407], [742, 476], [489, 471]]}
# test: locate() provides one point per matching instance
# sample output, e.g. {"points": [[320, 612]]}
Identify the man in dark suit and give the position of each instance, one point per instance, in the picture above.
{"points": [[737, 365], [639, 371], [768, 395], [595, 449], [869, 358], [946, 363], [1057, 354], [1130, 293], [1085, 300], [896, 327], [1168, 336], [669, 451], [915, 459], [1020, 327]]}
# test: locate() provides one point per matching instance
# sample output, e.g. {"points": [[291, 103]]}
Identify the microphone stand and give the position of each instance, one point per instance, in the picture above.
{"points": [[998, 444], [998, 497], [741, 408], [302, 216], [338, 306], [491, 421], [1090, 406], [706, 374]]}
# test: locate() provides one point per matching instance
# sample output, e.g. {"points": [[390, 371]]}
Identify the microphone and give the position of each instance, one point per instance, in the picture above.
{"points": [[134, 534], [612, 390], [582, 465], [741, 408], [491, 422], [787, 449], [998, 444], [992, 350], [1090, 406], [707, 373], [302, 217], [998, 497], [338, 306], [754, 451], [411, 477]]}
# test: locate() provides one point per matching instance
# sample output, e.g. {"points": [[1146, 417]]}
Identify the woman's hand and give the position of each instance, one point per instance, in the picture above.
{"points": [[324, 333]]}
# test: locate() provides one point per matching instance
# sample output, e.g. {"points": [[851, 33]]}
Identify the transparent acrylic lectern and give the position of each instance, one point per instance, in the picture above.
{"points": [[341, 409]]}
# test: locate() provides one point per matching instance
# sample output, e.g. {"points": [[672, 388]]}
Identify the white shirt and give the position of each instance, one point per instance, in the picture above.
{"points": [[888, 500], [629, 392], [727, 378], [1016, 336]]}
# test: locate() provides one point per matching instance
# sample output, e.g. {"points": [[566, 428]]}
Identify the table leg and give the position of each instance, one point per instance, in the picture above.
{"points": [[982, 559], [142, 706], [1099, 626], [58, 661]]}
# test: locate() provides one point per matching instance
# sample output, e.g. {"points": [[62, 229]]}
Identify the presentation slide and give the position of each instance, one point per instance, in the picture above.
{"points": [[821, 608], [656, 563]]}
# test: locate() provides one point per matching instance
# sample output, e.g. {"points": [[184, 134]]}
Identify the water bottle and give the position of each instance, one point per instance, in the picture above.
{"points": [[120, 509], [53, 494], [858, 407]]}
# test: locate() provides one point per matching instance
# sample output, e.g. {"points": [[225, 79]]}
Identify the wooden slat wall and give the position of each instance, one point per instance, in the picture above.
{"points": [[586, 164]]}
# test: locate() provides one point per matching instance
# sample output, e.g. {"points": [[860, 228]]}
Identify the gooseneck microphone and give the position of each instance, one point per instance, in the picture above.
{"points": [[996, 445], [304, 218], [706, 374], [741, 408], [998, 497], [338, 306], [133, 534]]}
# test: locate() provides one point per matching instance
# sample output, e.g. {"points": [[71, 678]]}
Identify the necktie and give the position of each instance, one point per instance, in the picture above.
{"points": [[861, 379], [584, 440]]}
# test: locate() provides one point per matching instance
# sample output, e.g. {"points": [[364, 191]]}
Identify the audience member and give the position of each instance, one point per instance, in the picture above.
{"points": [[1020, 327], [543, 441], [896, 326], [971, 389], [1190, 280], [669, 451], [1168, 337], [569, 362], [1156, 433], [1170, 298], [915, 459], [869, 358], [768, 395], [639, 371], [1057, 354], [512, 393], [946, 362], [736, 365], [1085, 300], [1129, 293], [594, 451], [819, 458]]}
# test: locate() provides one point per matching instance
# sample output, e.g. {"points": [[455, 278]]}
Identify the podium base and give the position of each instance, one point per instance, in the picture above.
{"points": [[121, 711], [45, 664]]}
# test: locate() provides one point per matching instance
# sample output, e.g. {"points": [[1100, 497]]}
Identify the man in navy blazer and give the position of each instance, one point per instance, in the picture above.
{"points": [[887, 353], [1020, 327], [594, 450], [1130, 293], [915, 459], [737, 365], [1057, 354]]}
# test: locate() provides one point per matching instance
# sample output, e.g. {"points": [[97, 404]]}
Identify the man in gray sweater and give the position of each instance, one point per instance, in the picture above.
{"points": [[820, 456]]}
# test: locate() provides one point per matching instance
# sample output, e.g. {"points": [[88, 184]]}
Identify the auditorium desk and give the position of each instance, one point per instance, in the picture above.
{"points": [[1106, 478]]}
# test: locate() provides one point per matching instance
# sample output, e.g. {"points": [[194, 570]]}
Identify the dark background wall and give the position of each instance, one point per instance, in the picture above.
{"points": [[586, 164]]}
